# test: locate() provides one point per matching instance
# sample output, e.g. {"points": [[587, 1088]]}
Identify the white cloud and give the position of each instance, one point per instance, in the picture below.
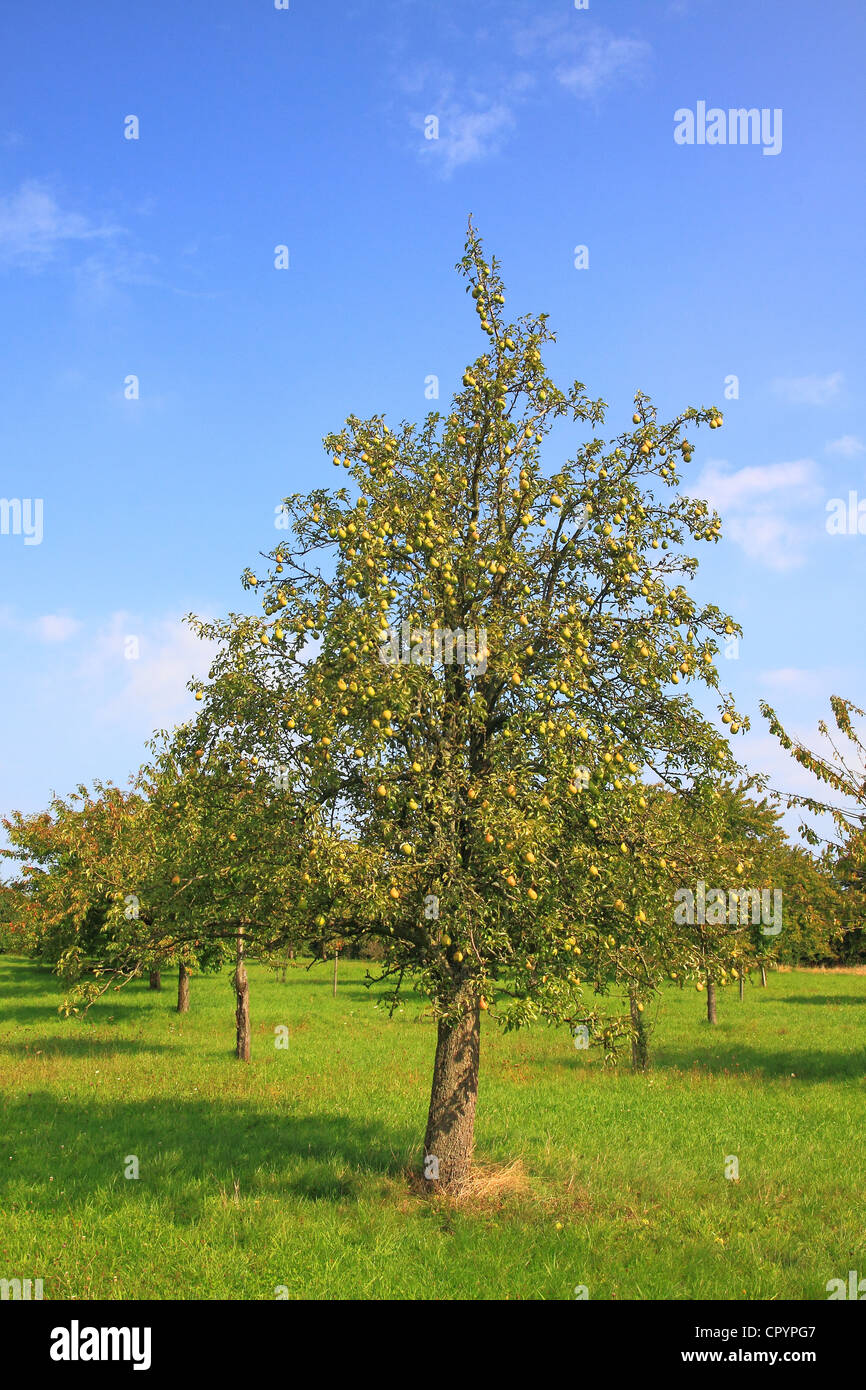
{"points": [[148, 690], [763, 753], [466, 136], [746, 485], [848, 447], [144, 691], [809, 390], [476, 114], [34, 228], [773, 541], [755, 504], [586, 59], [797, 680], [55, 627], [604, 61], [83, 710]]}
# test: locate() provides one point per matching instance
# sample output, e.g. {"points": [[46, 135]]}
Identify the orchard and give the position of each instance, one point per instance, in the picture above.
{"points": [[459, 730]]}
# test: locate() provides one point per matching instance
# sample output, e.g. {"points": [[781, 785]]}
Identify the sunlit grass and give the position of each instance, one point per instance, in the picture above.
{"points": [[293, 1171]]}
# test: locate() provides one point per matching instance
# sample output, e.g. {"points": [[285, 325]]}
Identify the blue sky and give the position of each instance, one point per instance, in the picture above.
{"points": [[305, 127]]}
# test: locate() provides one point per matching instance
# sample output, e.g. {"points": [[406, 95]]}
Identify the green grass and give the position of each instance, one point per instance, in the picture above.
{"points": [[293, 1170]]}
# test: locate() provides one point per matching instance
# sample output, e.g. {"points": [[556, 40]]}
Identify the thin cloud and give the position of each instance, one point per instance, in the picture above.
{"points": [[747, 485], [50, 628], [848, 447], [102, 277], [773, 541], [477, 115], [586, 60], [798, 680], [466, 136], [756, 504], [56, 627], [809, 390], [35, 229], [763, 753], [605, 62], [141, 668]]}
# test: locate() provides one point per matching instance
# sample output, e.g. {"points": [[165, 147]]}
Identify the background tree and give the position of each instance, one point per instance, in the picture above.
{"points": [[843, 770], [14, 909], [93, 862], [69, 872], [685, 899], [238, 859]]}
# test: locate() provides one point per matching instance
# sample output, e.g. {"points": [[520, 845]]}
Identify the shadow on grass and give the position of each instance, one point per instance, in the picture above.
{"points": [[27, 979], [823, 999], [80, 1047], [21, 980], [191, 1151], [108, 1013], [719, 1055]]}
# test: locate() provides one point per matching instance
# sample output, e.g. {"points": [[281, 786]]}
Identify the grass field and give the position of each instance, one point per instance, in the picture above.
{"points": [[293, 1171]]}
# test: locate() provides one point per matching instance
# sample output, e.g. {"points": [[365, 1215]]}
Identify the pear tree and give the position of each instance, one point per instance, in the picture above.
{"points": [[94, 867], [679, 876], [841, 767], [454, 644]]}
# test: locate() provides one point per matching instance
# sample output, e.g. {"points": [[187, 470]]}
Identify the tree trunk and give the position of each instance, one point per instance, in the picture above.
{"points": [[335, 974], [155, 980], [182, 989], [711, 1002], [741, 983], [450, 1133], [763, 975], [639, 1036], [242, 1010]]}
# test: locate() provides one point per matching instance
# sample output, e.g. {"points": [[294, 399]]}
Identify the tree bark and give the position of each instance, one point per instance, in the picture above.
{"points": [[639, 1036], [450, 1135], [763, 975], [182, 989], [155, 980], [335, 974], [711, 1002], [242, 1010], [741, 983]]}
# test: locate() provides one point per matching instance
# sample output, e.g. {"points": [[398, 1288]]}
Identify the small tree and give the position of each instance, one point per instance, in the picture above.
{"points": [[71, 868], [688, 888], [240, 848], [95, 864]]}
